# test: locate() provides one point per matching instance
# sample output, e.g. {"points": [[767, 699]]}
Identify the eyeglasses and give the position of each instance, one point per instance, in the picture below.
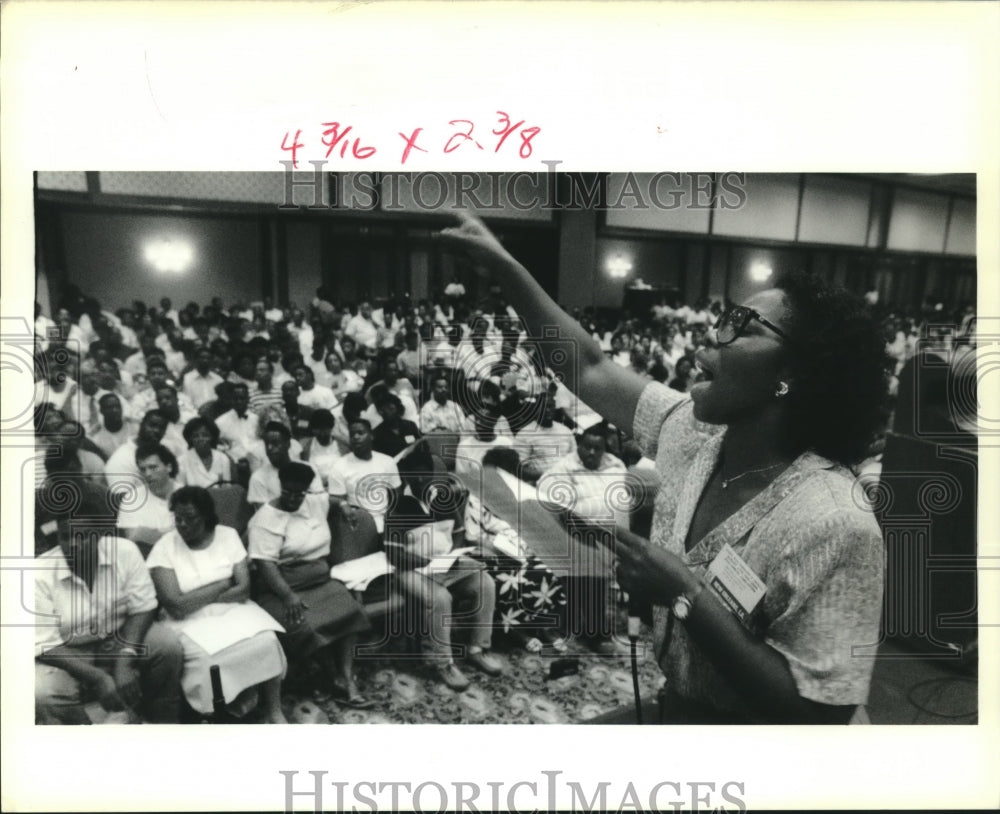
{"points": [[735, 320]]}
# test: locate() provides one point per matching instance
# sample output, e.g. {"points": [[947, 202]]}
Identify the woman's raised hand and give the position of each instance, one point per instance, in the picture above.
{"points": [[474, 236]]}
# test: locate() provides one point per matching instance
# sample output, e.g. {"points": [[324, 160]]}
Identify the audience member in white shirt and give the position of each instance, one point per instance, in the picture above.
{"points": [[238, 427], [264, 482], [363, 479], [57, 387], [199, 383], [313, 395], [440, 413], [588, 473], [360, 327], [544, 442], [320, 450], [113, 429], [203, 464], [121, 470]]}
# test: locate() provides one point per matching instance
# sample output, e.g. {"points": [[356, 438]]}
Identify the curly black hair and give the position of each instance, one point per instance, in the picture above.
{"points": [[836, 352]]}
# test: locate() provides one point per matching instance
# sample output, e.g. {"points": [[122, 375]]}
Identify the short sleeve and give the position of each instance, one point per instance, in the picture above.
{"points": [[266, 534], [134, 575], [826, 592], [656, 402], [337, 483], [225, 466], [257, 491], [47, 632], [162, 554], [232, 547]]}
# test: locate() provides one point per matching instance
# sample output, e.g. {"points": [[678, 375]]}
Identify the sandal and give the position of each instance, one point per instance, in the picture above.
{"points": [[342, 696]]}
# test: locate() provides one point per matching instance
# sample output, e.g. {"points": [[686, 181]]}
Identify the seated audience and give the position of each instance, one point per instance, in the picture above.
{"points": [[289, 542], [311, 394], [544, 442], [238, 426], [277, 443], [394, 433], [530, 602], [121, 471], [144, 516], [113, 430], [202, 579], [199, 384], [319, 449], [430, 572], [102, 643], [440, 413], [203, 464], [363, 478], [298, 413]]}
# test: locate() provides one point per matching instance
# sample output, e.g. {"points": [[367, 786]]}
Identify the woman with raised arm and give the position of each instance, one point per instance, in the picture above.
{"points": [[764, 566]]}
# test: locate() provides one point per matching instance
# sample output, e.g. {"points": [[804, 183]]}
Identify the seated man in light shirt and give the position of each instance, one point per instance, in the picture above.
{"points": [[199, 383], [238, 426], [590, 471], [265, 484], [544, 442], [113, 430], [167, 400], [313, 395], [586, 481], [361, 328], [158, 376], [121, 471], [96, 638], [440, 413], [363, 478]]}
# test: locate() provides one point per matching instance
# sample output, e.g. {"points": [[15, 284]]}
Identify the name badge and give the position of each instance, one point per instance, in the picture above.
{"points": [[735, 583], [303, 422], [409, 439]]}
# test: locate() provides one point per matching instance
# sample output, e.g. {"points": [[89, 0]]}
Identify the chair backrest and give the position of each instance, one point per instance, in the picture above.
{"points": [[350, 544], [443, 445], [231, 506]]}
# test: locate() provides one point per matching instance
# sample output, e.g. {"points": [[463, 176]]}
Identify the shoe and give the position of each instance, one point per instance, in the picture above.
{"points": [[534, 645], [485, 663], [453, 677], [345, 698]]}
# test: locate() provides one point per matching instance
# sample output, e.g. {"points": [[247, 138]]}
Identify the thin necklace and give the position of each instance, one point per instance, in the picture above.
{"points": [[727, 481]]}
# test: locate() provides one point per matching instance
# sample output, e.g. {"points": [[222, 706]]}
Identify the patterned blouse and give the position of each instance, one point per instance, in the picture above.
{"points": [[809, 536]]}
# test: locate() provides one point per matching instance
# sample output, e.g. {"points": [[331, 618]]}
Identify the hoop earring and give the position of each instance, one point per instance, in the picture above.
{"points": [[782, 389]]}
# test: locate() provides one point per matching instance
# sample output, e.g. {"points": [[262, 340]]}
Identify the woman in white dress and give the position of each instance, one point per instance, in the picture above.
{"points": [[203, 464], [202, 579]]}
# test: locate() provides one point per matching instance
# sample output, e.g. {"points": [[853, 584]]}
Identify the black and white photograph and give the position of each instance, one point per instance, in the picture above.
{"points": [[412, 418]]}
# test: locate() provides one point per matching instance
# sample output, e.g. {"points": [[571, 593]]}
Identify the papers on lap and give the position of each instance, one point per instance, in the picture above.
{"points": [[236, 623]]}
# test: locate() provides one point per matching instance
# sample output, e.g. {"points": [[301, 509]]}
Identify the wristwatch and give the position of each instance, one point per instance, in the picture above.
{"points": [[682, 604]]}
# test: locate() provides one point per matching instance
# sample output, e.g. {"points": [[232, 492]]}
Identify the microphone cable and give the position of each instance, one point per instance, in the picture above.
{"points": [[633, 638]]}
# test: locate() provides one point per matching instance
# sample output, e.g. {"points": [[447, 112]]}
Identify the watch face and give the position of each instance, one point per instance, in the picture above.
{"points": [[682, 606]]}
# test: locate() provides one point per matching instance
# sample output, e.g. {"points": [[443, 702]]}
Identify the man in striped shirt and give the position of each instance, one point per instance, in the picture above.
{"points": [[265, 394]]}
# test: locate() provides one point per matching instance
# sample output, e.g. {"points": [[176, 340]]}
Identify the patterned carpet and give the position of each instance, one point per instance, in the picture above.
{"points": [[404, 691]]}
